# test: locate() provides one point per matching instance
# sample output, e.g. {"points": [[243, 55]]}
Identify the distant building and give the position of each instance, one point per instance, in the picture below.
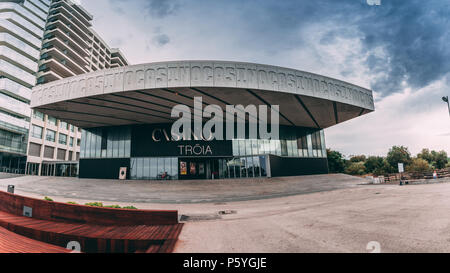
{"points": [[70, 47]]}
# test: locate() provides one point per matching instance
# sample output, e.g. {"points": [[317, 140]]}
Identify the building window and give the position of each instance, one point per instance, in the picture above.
{"points": [[37, 131], [154, 168], [72, 128], [61, 155], [70, 156], [71, 141], [51, 120], [106, 143], [38, 115], [49, 152], [34, 150], [63, 125], [50, 136], [78, 142], [62, 139]]}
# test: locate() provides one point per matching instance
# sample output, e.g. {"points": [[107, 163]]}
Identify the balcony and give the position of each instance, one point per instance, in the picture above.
{"points": [[15, 90], [17, 74], [21, 47]]}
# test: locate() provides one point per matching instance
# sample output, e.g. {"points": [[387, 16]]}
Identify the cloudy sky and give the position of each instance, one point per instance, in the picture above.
{"points": [[400, 49]]}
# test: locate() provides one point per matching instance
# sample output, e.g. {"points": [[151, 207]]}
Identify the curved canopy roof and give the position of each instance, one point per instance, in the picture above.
{"points": [[146, 93]]}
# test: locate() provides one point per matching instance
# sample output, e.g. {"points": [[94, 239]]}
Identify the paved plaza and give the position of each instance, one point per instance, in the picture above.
{"points": [[335, 213], [198, 191]]}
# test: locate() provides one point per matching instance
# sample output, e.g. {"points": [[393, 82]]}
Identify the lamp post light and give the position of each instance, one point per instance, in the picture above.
{"points": [[445, 99]]}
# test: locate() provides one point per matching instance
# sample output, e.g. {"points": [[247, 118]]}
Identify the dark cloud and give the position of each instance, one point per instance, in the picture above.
{"points": [[161, 39], [413, 35], [161, 8]]}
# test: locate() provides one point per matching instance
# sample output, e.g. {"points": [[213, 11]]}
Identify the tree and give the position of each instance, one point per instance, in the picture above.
{"points": [[440, 159], [426, 155], [358, 158], [356, 168], [398, 154], [336, 162], [372, 163], [384, 169], [419, 165]]}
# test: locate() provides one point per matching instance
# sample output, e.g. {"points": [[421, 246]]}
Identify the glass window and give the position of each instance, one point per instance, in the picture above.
{"points": [[309, 142], [161, 169], [248, 147], [174, 173], [37, 132], [83, 144], [71, 141], [38, 115], [115, 145], [263, 166], [63, 125], [140, 168], [256, 166], [153, 168], [146, 168], [98, 143], [127, 142], [51, 120], [62, 139], [255, 147], [72, 128], [284, 151], [241, 147], [133, 169], [243, 167], [235, 147], [50, 136], [324, 149], [88, 144]]}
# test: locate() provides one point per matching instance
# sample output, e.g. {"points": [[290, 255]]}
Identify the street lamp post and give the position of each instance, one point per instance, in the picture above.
{"points": [[445, 99]]}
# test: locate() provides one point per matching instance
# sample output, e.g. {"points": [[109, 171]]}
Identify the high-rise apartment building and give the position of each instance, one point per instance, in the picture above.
{"points": [[70, 47], [22, 25]]}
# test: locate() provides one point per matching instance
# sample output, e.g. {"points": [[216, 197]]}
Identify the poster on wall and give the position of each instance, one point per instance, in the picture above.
{"points": [[183, 168], [193, 168]]}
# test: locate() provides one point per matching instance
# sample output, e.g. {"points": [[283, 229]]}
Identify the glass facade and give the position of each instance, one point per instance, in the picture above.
{"points": [[106, 143], [149, 159], [164, 168], [308, 146], [243, 167]]}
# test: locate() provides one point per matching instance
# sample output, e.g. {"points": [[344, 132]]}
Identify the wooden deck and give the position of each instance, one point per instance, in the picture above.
{"points": [[97, 232], [11, 242]]}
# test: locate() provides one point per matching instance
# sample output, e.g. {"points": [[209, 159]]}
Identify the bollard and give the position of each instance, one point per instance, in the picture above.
{"points": [[11, 189]]}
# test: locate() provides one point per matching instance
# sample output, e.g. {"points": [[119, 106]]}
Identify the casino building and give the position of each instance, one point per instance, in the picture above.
{"points": [[126, 118]]}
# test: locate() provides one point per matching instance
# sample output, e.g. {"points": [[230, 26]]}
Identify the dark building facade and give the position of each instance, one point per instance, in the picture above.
{"points": [[150, 153]]}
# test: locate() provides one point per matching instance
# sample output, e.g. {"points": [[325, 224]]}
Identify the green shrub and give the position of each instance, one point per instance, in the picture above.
{"points": [[94, 204], [357, 168], [130, 207], [113, 207], [72, 203], [48, 199], [419, 165]]}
